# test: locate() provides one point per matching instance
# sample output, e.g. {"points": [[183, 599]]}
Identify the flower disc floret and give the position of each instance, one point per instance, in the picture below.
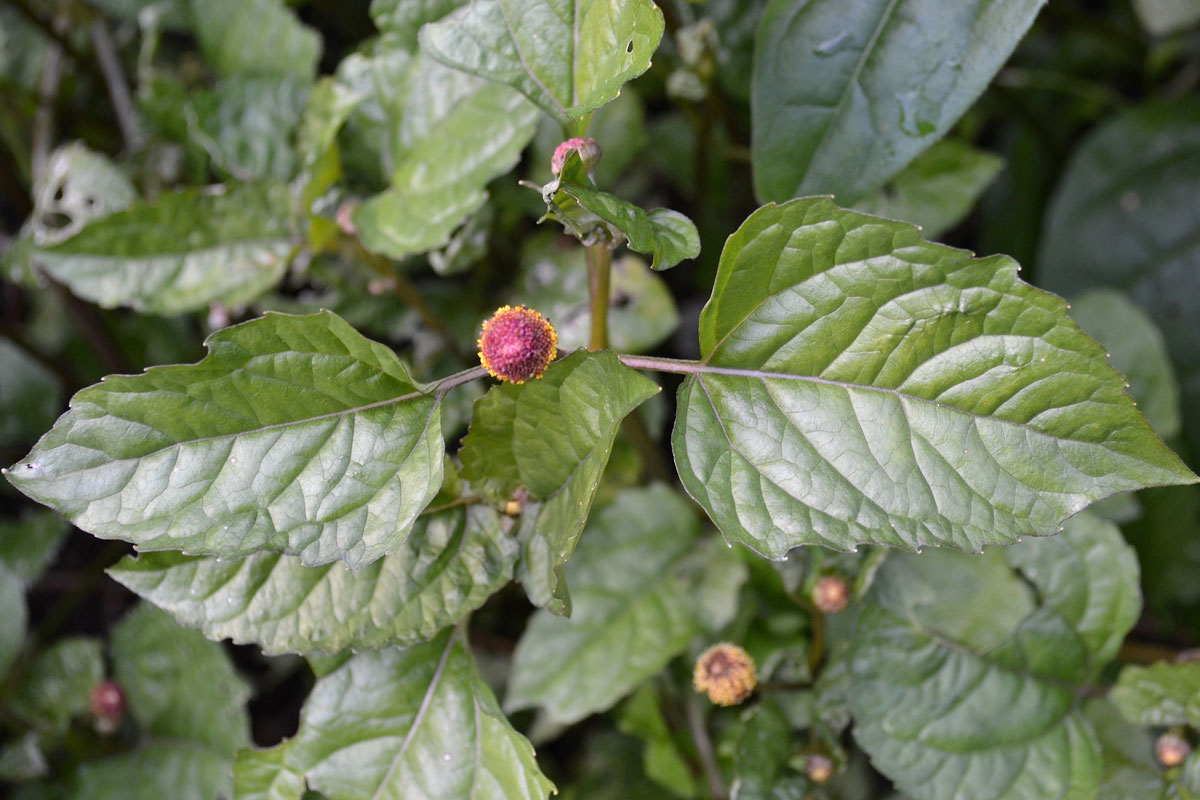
{"points": [[517, 344], [725, 672]]}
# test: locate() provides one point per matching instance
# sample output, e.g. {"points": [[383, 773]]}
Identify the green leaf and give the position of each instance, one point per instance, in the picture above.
{"points": [[447, 567], [246, 124], [30, 396], [844, 95], [1136, 349], [58, 684], [78, 186], [417, 722], [551, 438], [13, 616], [861, 385], [1122, 217], [554, 280], [1160, 694], [592, 215], [181, 251], [662, 760], [445, 135], [22, 759], [258, 37], [156, 769], [1163, 17], [964, 666], [568, 57], [938, 189], [762, 747], [630, 615], [178, 684], [1128, 755], [295, 435], [403, 18]]}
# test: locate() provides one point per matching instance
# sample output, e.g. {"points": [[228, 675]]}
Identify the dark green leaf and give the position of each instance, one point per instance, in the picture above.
{"points": [[30, 396], [1136, 348], [246, 124], [1160, 694], [845, 94], [22, 759], [156, 770], [295, 435], [568, 57], [444, 135], [1128, 755], [13, 615], [662, 759], [937, 189], [399, 723], [861, 385], [181, 251], [1122, 217], [551, 438], [178, 684], [554, 280], [259, 37], [761, 750], [629, 614], [592, 215], [446, 568], [964, 668], [57, 685]]}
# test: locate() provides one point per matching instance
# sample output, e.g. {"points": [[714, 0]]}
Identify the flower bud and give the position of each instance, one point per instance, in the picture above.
{"points": [[725, 672], [517, 344], [589, 154], [107, 703], [1171, 749], [819, 768], [831, 595]]}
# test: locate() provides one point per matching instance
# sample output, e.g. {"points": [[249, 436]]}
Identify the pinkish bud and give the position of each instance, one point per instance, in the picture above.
{"points": [[107, 700], [1171, 749], [831, 595], [818, 768], [589, 154]]}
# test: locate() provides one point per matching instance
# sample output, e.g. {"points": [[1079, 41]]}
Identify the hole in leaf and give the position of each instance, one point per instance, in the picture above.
{"points": [[629, 47]]}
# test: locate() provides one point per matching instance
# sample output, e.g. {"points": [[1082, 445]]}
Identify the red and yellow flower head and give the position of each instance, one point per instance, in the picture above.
{"points": [[517, 344]]}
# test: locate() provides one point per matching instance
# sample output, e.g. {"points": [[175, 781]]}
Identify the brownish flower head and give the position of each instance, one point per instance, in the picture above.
{"points": [[725, 672], [589, 154], [517, 344], [831, 595], [1171, 749], [818, 768]]}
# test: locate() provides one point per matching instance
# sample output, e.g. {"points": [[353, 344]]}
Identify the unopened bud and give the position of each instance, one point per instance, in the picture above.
{"points": [[345, 218], [831, 595], [725, 672], [819, 768], [107, 703], [589, 154], [1171, 749]]}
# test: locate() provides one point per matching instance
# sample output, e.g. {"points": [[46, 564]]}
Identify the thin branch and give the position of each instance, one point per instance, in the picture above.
{"points": [[118, 88], [704, 747], [43, 116]]}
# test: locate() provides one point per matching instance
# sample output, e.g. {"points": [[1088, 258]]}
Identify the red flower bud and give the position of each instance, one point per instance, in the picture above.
{"points": [[517, 344], [589, 154], [107, 700], [831, 595], [725, 672]]}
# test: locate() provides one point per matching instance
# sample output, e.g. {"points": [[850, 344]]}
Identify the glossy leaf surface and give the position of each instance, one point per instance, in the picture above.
{"points": [[181, 251], [629, 614], [295, 435], [861, 385], [551, 439], [964, 666], [845, 94], [450, 563], [568, 57], [413, 723], [1160, 694], [258, 37]]}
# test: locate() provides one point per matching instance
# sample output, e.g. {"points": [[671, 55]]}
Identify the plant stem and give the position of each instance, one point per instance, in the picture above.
{"points": [[118, 87], [458, 379], [599, 263], [704, 748]]}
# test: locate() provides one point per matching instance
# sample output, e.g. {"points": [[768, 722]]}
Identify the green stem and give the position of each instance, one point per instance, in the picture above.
{"points": [[458, 379], [599, 262]]}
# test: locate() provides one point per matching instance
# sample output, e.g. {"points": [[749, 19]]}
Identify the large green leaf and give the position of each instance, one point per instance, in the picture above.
{"points": [[1127, 752], [259, 37], [444, 135], [246, 124], [937, 189], [447, 567], [551, 438], [178, 684], [294, 434], [762, 747], [569, 57], [1136, 348], [57, 685], [404, 18], [861, 385], [965, 667], [153, 771], [847, 92], [592, 215], [1124, 216], [629, 615], [181, 251], [414, 723], [1160, 694]]}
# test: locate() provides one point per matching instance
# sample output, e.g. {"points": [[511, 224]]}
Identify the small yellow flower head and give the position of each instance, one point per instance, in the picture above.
{"points": [[517, 344], [726, 673]]}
